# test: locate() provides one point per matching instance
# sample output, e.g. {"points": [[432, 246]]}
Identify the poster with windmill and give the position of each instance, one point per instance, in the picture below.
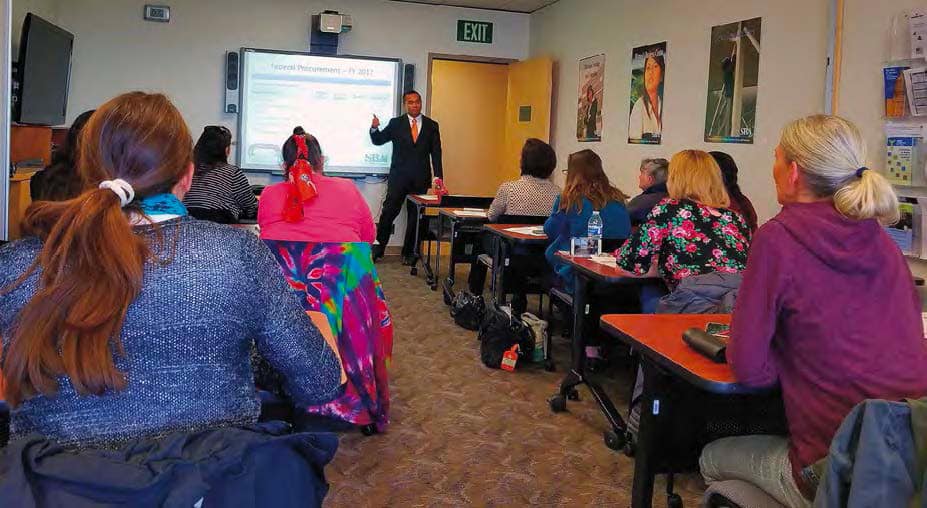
{"points": [[733, 81]]}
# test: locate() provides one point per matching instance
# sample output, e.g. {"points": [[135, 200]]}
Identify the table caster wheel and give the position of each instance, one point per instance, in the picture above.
{"points": [[673, 501], [573, 394], [413, 271], [368, 430], [630, 446], [557, 403], [614, 440]]}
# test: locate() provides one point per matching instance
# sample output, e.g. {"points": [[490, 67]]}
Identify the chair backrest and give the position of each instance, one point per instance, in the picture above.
{"points": [[213, 215], [522, 219], [459, 201]]}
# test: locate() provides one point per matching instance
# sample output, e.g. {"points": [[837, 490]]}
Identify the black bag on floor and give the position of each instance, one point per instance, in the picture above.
{"points": [[467, 310], [499, 331]]}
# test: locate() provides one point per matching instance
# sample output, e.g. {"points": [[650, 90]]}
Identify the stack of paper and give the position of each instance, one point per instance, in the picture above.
{"points": [[470, 213], [605, 259], [527, 230]]}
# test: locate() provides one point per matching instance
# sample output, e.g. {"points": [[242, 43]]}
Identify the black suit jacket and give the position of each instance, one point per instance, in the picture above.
{"points": [[412, 162]]}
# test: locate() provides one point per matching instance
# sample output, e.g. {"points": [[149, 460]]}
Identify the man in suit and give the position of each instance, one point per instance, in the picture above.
{"points": [[416, 149]]}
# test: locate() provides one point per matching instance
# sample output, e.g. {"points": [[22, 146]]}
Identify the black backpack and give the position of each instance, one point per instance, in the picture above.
{"points": [[467, 310], [499, 331]]}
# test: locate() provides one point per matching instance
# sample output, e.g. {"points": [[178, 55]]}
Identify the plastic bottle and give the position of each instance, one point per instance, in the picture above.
{"points": [[594, 232], [594, 227]]}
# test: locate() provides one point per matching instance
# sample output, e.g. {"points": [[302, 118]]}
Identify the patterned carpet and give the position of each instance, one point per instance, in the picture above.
{"points": [[466, 435]]}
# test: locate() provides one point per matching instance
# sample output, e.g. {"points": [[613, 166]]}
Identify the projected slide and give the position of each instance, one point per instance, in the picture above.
{"points": [[333, 98]]}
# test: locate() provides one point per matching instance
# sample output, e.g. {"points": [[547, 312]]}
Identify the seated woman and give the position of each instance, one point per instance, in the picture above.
{"points": [[691, 232], [532, 194], [309, 206], [123, 318], [652, 181], [59, 181], [739, 203], [320, 231], [220, 191], [827, 308], [587, 189]]}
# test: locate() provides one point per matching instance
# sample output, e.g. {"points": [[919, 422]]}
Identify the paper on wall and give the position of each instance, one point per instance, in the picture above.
{"points": [[917, 23], [915, 81]]}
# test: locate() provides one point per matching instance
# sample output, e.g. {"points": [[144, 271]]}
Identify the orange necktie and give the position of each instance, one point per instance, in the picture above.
{"points": [[414, 130]]}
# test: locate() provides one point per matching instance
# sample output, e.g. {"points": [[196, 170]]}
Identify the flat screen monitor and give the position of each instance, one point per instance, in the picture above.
{"points": [[44, 73], [333, 98]]}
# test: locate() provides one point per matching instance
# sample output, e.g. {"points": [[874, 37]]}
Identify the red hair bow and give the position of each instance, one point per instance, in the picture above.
{"points": [[301, 188]]}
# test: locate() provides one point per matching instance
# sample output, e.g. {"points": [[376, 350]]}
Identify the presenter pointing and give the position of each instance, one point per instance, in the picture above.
{"points": [[416, 149]]}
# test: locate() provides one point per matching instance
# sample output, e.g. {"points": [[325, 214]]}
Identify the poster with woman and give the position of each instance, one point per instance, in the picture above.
{"points": [[648, 69], [733, 79], [589, 105]]}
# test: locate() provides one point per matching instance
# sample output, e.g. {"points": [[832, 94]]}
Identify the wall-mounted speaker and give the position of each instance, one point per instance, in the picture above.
{"points": [[408, 78], [231, 82]]}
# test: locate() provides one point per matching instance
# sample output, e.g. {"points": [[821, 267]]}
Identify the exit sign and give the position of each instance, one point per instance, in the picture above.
{"points": [[474, 31]]}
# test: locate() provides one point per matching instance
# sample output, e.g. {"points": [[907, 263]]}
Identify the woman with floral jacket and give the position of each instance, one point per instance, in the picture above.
{"points": [[692, 231]]}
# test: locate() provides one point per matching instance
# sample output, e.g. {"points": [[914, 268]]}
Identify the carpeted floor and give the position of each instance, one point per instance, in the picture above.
{"points": [[466, 435]]}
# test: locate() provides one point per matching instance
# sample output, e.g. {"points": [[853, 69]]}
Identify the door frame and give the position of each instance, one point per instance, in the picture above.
{"points": [[6, 33], [457, 58]]}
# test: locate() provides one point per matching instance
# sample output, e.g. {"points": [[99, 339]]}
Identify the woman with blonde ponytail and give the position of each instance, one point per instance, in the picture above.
{"points": [[118, 318], [827, 308]]}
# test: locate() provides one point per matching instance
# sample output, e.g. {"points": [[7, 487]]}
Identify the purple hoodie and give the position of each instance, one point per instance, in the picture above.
{"points": [[827, 309]]}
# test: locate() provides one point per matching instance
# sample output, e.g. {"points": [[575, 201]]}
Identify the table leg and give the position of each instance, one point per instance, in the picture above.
{"points": [[451, 269], [495, 264], [429, 273], [417, 248], [498, 270], [437, 274], [649, 434]]}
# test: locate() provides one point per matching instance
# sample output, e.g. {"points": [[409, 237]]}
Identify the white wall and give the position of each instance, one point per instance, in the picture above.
{"points": [[867, 45], [792, 65], [116, 50], [47, 9]]}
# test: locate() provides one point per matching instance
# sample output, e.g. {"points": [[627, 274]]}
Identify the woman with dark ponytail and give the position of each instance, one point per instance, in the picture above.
{"points": [[309, 206], [120, 320], [220, 191], [739, 203]]}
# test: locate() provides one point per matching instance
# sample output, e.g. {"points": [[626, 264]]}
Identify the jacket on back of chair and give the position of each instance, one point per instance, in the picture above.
{"points": [[709, 293], [877, 458], [249, 467]]}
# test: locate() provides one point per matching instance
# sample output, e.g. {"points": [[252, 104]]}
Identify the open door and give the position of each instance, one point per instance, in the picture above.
{"points": [[487, 110], [469, 100], [528, 105]]}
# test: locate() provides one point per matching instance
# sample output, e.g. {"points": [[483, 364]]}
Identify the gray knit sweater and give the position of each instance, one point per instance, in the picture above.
{"points": [[187, 339]]}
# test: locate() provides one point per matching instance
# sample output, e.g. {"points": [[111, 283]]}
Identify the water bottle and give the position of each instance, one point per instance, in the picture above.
{"points": [[594, 232]]}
